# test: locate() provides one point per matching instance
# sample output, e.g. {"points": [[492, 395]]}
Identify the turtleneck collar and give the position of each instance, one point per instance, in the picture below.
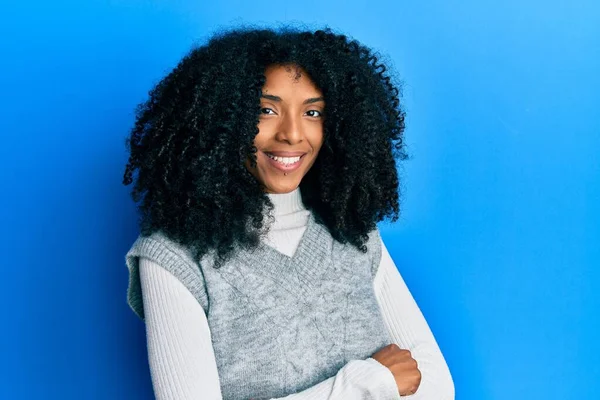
{"points": [[287, 203]]}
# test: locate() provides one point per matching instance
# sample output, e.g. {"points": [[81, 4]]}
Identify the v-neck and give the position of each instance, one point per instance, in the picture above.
{"points": [[300, 273], [308, 225], [284, 258]]}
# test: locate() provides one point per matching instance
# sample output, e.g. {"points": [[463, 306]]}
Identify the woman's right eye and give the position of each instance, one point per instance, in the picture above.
{"points": [[267, 111]]}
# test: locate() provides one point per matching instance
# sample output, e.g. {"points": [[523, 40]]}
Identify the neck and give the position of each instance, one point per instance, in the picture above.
{"points": [[287, 203], [291, 219]]}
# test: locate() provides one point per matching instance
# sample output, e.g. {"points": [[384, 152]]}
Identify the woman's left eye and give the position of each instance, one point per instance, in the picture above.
{"points": [[314, 111]]}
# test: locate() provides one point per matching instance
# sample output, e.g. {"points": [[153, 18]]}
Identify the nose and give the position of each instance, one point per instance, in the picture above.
{"points": [[290, 130]]}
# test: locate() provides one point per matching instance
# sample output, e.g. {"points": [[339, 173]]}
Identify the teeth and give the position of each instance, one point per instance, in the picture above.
{"points": [[285, 160]]}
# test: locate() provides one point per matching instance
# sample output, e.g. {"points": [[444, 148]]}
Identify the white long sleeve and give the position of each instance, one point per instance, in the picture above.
{"points": [[180, 353], [409, 330]]}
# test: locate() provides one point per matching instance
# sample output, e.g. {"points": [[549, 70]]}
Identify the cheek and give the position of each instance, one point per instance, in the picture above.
{"points": [[258, 140], [317, 139], [266, 129]]}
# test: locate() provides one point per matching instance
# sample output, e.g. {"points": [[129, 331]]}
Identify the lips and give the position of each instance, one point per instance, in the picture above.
{"points": [[286, 153], [284, 167]]}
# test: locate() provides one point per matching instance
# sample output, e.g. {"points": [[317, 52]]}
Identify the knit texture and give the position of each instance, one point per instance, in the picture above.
{"points": [[279, 324]]}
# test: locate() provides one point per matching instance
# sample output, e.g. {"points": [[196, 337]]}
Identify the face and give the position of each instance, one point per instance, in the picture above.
{"points": [[290, 129]]}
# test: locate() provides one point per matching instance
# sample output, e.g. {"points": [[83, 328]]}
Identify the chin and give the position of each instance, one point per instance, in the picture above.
{"points": [[284, 187]]}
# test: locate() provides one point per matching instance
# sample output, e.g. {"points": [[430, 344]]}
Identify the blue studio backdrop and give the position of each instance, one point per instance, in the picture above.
{"points": [[500, 229]]}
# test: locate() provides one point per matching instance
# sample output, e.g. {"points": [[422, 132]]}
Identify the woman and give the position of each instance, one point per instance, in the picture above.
{"points": [[264, 161]]}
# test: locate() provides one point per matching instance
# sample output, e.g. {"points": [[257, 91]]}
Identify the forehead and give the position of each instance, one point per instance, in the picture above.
{"points": [[292, 78]]}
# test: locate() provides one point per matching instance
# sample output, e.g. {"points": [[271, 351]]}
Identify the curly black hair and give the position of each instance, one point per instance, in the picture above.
{"points": [[194, 132]]}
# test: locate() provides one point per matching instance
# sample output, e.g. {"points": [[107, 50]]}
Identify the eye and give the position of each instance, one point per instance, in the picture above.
{"points": [[318, 113], [267, 111]]}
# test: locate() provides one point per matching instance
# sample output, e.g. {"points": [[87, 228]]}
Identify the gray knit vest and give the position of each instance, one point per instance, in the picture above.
{"points": [[278, 324]]}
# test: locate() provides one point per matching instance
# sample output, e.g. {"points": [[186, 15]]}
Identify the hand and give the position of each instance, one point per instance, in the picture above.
{"points": [[403, 367]]}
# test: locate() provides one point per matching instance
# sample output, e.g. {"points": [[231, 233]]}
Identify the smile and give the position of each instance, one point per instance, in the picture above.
{"points": [[286, 164]]}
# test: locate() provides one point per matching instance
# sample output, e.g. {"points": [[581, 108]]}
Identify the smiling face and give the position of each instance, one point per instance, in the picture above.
{"points": [[290, 129]]}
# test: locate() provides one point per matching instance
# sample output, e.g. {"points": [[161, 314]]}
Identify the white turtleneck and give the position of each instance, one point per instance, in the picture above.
{"points": [[181, 357]]}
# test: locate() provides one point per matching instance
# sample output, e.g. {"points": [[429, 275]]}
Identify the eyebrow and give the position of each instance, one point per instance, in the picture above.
{"points": [[307, 101]]}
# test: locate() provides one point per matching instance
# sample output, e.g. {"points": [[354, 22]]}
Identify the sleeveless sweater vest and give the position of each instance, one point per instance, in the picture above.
{"points": [[278, 324]]}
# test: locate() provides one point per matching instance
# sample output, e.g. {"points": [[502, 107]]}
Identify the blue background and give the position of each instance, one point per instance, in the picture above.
{"points": [[499, 235]]}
